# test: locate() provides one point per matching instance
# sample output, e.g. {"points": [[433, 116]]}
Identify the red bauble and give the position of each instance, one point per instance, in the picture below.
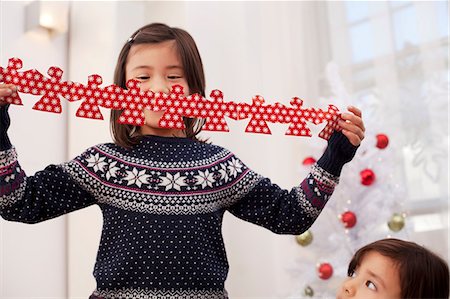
{"points": [[349, 219], [325, 270], [367, 177], [309, 161], [382, 141]]}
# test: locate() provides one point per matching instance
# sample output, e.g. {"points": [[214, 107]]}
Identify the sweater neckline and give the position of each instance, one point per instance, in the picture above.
{"points": [[165, 139]]}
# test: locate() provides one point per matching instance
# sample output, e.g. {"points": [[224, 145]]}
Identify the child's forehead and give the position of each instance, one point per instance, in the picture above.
{"points": [[383, 269], [168, 46], [154, 54], [374, 259]]}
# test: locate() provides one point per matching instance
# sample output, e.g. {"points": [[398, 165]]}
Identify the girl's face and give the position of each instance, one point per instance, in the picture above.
{"points": [[158, 67], [376, 277]]}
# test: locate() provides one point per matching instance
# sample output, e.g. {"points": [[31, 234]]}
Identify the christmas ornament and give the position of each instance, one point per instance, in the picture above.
{"points": [[304, 239], [309, 161], [367, 177], [325, 271], [396, 223], [382, 141], [309, 292], [176, 105], [349, 219]]}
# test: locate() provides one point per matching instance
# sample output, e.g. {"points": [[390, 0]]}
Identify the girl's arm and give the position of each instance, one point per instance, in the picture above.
{"points": [[5, 144], [293, 212], [45, 195]]}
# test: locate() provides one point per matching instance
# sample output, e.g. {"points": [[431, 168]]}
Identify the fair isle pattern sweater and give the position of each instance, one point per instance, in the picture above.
{"points": [[163, 202]]}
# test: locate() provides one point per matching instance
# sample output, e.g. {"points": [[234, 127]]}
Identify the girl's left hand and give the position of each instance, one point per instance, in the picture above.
{"points": [[352, 125]]}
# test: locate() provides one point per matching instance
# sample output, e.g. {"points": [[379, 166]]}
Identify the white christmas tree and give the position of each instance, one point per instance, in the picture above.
{"points": [[367, 205]]}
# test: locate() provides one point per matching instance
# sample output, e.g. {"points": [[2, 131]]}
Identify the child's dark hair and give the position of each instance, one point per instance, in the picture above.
{"points": [[422, 273], [193, 71]]}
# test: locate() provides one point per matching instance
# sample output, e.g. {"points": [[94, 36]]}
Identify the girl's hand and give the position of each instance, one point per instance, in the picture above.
{"points": [[352, 125], [6, 90]]}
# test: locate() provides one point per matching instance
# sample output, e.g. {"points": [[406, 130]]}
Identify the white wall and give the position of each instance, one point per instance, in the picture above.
{"points": [[33, 257]]}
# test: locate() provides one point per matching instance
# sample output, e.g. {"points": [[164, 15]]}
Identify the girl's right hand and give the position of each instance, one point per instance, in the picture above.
{"points": [[6, 90]]}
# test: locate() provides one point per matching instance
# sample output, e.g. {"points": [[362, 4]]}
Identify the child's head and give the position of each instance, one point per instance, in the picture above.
{"points": [[144, 49], [392, 268]]}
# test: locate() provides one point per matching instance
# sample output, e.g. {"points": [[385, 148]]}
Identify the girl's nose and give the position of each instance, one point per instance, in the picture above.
{"points": [[349, 289], [158, 85], [350, 292]]}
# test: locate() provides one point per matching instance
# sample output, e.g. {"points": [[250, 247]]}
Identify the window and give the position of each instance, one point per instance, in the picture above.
{"points": [[393, 59]]}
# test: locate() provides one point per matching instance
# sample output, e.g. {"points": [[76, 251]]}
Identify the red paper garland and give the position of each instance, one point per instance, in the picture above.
{"points": [[133, 101]]}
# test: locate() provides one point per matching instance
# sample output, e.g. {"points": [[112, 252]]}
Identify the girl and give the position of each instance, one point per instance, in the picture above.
{"points": [[392, 268], [162, 192]]}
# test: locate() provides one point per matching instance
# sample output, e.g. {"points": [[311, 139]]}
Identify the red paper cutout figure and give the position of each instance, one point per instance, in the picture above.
{"points": [[332, 117], [298, 121], [91, 96], [175, 105], [215, 120], [48, 88], [196, 106], [10, 75], [259, 114]]}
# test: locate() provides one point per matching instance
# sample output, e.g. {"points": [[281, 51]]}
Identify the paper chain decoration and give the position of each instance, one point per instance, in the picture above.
{"points": [[132, 101]]}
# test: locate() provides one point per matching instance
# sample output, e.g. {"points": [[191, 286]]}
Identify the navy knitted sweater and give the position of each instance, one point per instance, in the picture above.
{"points": [[163, 203]]}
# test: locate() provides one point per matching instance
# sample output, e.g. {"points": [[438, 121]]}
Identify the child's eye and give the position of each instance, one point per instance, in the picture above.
{"points": [[173, 77], [371, 285], [143, 77], [352, 274]]}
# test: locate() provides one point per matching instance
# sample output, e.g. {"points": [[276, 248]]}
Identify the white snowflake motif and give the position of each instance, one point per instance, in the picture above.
{"points": [[112, 170], [175, 181], [205, 178], [224, 173], [10, 177], [234, 167], [97, 162], [136, 177]]}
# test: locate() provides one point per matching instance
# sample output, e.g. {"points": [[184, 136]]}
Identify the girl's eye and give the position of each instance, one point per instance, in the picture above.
{"points": [[143, 77], [174, 77], [371, 285], [352, 274]]}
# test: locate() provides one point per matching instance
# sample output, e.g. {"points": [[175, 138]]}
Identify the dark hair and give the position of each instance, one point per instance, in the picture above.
{"points": [[422, 273], [193, 69]]}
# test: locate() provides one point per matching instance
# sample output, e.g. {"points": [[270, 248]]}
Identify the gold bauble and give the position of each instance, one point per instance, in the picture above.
{"points": [[309, 292], [304, 239], [396, 223]]}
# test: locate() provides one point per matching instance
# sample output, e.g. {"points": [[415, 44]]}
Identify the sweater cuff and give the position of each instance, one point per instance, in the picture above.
{"points": [[5, 143], [338, 152]]}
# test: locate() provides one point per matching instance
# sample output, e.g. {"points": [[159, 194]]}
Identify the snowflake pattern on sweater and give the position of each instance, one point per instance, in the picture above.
{"points": [[163, 203]]}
